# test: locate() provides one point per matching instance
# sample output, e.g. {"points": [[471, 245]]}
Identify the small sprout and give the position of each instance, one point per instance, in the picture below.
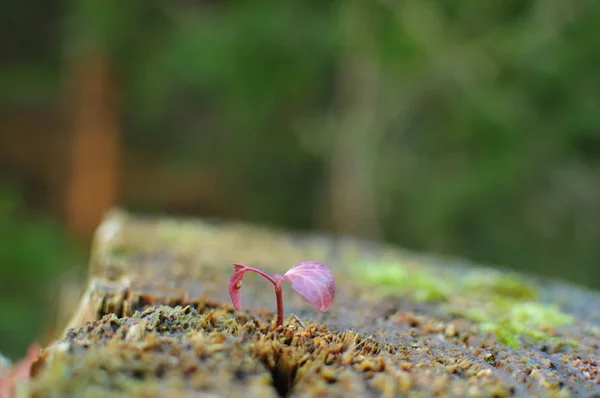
{"points": [[311, 279]]}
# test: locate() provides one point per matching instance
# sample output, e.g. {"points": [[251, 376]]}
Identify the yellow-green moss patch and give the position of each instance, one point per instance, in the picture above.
{"points": [[502, 304], [396, 279]]}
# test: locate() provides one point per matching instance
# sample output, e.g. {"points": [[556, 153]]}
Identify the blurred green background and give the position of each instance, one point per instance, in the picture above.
{"points": [[457, 127]]}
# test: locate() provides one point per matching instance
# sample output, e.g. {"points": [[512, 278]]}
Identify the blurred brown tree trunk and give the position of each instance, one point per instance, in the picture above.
{"points": [[352, 207], [93, 171]]}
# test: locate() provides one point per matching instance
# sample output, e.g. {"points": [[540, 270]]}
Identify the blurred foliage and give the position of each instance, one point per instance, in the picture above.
{"points": [[484, 138], [29, 58], [33, 253], [475, 122]]}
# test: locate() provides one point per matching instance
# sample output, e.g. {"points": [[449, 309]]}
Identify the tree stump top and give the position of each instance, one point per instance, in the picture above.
{"points": [[156, 319]]}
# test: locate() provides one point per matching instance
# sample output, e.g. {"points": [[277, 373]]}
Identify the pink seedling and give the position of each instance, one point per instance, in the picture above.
{"points": [[311, 279]]}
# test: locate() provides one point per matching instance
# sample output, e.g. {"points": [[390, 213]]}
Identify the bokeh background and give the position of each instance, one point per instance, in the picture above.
{"points": [[458, 127]]}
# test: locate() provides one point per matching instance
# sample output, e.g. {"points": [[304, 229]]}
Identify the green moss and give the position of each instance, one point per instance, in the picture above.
{"points": [[503, 305], [393, 278], [492, 284], [511, 320], [536, 315]]}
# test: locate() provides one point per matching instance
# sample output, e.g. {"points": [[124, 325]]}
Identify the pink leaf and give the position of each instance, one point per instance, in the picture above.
{"points": [[235, 284], [313, 281]]}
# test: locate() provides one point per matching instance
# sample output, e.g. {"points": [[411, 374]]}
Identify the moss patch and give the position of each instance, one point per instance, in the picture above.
{"points": [[498, 285], [395, 279], [514, 321], [501, 304]]}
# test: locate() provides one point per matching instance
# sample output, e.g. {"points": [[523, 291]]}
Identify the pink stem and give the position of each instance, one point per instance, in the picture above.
{"points": [[278, 293], [263, 274], [279, 303]]}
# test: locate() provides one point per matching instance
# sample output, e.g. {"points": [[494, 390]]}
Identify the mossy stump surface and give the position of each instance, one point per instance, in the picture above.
{"points": [[156, 320]]}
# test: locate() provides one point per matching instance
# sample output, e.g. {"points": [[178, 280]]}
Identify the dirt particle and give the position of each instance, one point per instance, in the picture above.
{"points": [[405, 382], [484, 373], [385, 384], [490, 358], [136, 332], [329, 374], [450, 330], [474, 391], [406, 366], [440, 384], [465, 364]]}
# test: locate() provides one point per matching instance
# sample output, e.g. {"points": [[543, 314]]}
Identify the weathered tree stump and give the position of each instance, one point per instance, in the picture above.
{"points": [[156, 320]]}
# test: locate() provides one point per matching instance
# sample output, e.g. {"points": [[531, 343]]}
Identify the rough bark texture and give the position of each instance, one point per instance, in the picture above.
{"points": [[156, 320]]}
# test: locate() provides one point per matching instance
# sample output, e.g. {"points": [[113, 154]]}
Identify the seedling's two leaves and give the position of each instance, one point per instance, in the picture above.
{"points": [[313, 281]]}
